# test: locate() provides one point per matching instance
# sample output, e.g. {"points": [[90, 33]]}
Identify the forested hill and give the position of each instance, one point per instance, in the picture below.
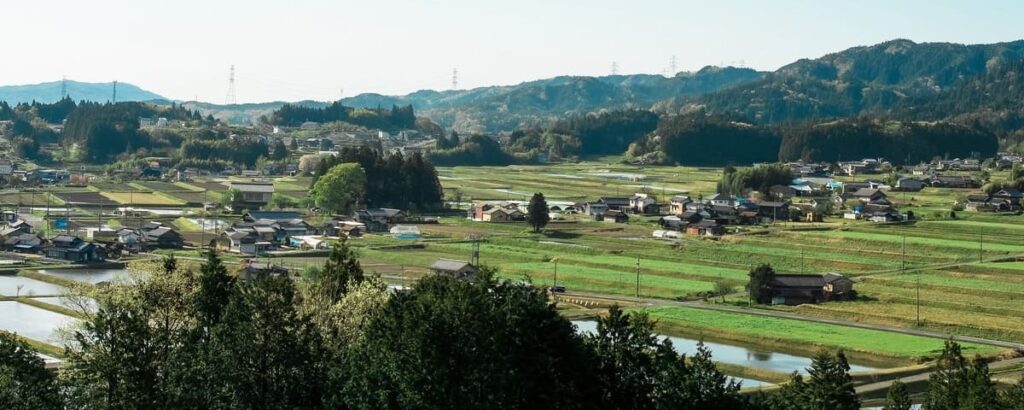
{"points": [[900, 78], [504, 108], [78, 91]]}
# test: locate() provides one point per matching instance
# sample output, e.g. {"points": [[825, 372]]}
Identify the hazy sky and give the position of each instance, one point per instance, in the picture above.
{"points": [[311, 49]]}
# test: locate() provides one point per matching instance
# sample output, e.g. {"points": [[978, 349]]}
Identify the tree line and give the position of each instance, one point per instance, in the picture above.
{"points": [[391, 180], [337, 338], [396, 118]]}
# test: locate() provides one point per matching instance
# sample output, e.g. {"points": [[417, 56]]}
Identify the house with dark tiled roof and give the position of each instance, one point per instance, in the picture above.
{"points": [[796, 289], [74, 249], [455, 268]]}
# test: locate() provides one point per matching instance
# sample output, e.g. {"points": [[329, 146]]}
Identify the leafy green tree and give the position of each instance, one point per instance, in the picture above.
{"points": [[24, 383], [454, 344], [759, 285], [278, 201], [264, 352], [228, 198], [898, 398], [721, 289], [829, 385], [537, 212], [340, 188]]}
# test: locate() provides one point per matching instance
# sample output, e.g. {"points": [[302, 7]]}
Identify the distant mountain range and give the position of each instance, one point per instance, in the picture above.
{"points": [[506, 107], [895, 79], [78, 91]]}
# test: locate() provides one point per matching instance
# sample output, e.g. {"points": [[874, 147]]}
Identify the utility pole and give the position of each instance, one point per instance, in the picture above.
{"points": [[903, 258], [554, 282], [919, 300], [638, 277]]}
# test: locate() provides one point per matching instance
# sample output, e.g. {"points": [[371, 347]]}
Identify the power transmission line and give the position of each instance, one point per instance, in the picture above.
{"points": [[63, 87], [455, 78], [672, 67], [615, 67], [231, 88], [113, 98]]}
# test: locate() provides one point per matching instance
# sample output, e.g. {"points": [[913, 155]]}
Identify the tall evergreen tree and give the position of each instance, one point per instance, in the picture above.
{"points": [[898, 398], [537, 212], [759, 285], [829, 385]]}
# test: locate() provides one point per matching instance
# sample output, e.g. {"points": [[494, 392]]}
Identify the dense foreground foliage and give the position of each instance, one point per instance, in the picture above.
{"points": [[339, 339]]}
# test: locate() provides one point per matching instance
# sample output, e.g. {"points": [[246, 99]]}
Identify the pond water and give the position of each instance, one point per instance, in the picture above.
{"points": [[92, 276], [737, 355], [29, 287], [32, 322]]}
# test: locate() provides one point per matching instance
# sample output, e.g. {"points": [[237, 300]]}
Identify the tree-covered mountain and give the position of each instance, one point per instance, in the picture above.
{"points": [[79, 91], [899, 78], [504, 108]]}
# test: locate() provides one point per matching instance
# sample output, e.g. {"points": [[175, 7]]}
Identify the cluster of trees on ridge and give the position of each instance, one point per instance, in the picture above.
{"points": [[102, 132], [337, 338], [394, 181], [395, 118]]}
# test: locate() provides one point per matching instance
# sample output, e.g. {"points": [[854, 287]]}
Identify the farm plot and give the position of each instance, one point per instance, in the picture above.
{"points": [[36, 199], [142, 198], [116, 187], [87, 197], [211, 186], [160, 186], [808, 334]]}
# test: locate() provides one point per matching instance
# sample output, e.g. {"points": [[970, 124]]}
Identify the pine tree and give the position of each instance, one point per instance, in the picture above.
{"points": [[1013, 398], [947, 385], [830, 385], [898, 397], [537, 212]]}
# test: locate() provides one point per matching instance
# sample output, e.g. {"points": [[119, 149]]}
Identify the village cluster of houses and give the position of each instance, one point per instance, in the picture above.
{"points": [[18, 236]]}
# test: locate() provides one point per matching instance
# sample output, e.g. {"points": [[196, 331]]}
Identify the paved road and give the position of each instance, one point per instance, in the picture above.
{"points": [[787, 315]]}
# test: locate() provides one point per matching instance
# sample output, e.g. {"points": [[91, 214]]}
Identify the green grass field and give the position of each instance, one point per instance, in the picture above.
{"points": [[806, 333]]}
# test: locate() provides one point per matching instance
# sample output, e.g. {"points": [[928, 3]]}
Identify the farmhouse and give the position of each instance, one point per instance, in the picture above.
{"points": [[677, 205], [910, 184], [954, 181], [720, 200], [613, 216], [74, 249], [615, 204], [458, 269], [379, 219], [643, 204], [792, 289], [251, 194]]}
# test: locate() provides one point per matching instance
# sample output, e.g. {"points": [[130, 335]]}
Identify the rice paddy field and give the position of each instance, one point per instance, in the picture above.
{"points": [[964, 274], [965, 269]]}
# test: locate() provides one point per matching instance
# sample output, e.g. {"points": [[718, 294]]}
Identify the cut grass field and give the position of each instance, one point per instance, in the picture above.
{"points": [[806, 335]]}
